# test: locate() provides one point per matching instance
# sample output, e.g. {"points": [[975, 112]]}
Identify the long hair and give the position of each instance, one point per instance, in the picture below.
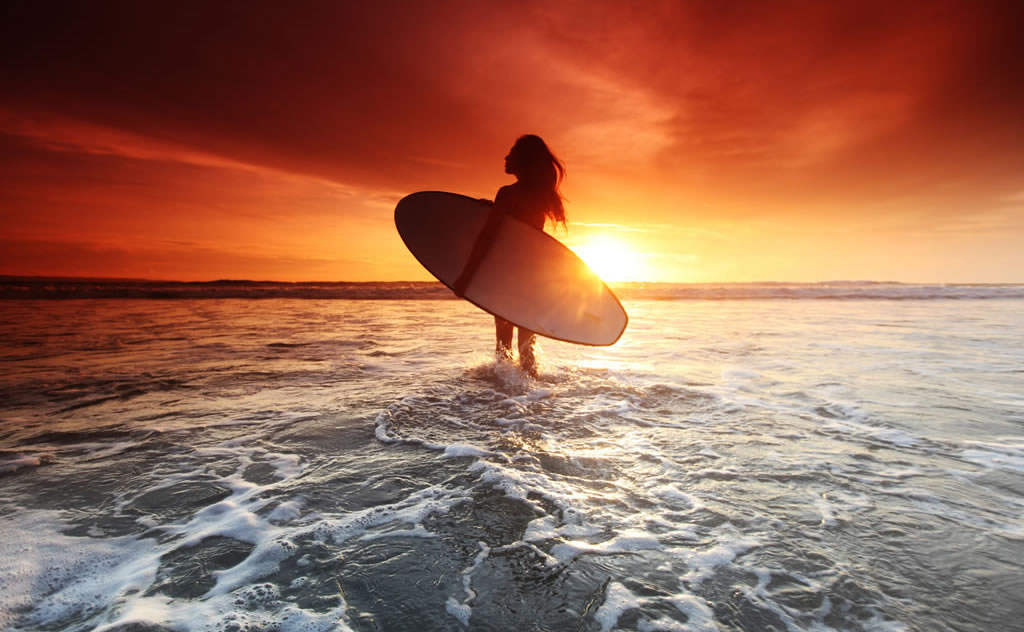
{"points": [[541, 172]]}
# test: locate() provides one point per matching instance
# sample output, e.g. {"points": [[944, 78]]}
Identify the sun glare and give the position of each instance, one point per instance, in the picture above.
{"points": [[612, 259]]}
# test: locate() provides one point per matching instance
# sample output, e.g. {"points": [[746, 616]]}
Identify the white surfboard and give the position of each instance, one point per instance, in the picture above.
{"points": [[527, 277]]}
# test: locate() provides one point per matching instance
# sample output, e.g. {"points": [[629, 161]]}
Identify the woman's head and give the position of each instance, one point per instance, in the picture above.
{"points": [[536, 167]]}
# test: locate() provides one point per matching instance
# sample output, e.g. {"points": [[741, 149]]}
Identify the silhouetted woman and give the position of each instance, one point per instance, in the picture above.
{"points": [[533, 198]]}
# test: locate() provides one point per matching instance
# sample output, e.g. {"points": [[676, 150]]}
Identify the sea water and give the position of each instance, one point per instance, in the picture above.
{"points": [[777, 458]]}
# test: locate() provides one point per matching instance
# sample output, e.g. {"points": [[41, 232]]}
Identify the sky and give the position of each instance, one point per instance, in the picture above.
{"points": [[704, 141]]}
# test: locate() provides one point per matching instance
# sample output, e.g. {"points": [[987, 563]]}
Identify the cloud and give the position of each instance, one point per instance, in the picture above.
{"points": [[134, 206], [622, 228], [158, 261], [365, 93], [231, 115]]}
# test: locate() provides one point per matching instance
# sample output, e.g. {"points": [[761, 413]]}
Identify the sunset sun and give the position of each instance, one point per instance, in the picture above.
{"points": [[612, 259]]}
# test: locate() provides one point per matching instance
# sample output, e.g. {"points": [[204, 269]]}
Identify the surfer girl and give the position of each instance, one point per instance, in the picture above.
{"points": [[533, 198]]}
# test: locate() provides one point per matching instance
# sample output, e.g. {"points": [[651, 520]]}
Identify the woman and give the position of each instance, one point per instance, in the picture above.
{"points": [[533, 198]]}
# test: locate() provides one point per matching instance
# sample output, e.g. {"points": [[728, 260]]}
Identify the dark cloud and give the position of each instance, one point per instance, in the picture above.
{"points": [[366, 92], [347, 90], [821, 100]]}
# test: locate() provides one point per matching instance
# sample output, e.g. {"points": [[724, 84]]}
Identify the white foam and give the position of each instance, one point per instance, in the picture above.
{"points": [[412, 510], [462, 610], [109, 575], [629, 542], [699, 617], [285, 465], [661, 624], [674, 529], [539, 393], [265, 559], [547, 528], [515, 406], [860, 427], [231, 517], [1007, 456], [520, 484], [508, 374], [381, 425], [463, 450], [141, 611], [704, 563], [287, 511], [103, 574], [223, 612], [546, 559], [727, 473], [617, 600], [59, 576], [673, 493]]}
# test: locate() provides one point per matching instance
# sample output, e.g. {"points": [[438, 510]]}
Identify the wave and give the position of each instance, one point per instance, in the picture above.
{"points": [[857, 290], [71, 288]]}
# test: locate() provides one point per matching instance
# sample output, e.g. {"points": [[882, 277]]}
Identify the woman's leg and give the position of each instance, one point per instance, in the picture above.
{"points": [[503, 331], [527, 351]]}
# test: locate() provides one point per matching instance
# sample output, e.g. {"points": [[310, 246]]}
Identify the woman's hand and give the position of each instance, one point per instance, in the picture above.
{"points": [[459, 287], [480, 247]]}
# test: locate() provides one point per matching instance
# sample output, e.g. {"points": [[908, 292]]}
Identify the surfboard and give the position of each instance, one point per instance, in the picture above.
{"points": [[527, 277]]}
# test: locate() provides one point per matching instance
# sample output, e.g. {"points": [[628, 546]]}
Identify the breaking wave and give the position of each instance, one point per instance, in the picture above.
{"points": [[68, 288]]}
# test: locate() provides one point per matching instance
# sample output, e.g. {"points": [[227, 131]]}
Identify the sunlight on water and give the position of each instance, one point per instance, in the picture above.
{"points": [[612, 259]]}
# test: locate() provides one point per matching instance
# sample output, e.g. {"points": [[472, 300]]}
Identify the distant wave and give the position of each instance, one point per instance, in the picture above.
{"points": [[856, 290], [66, 288], [140, 289]]}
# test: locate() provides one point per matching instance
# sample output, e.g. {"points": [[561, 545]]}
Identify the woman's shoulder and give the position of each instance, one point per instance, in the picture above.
{"points": [[510, 198], [509, 191], [519, 201]]}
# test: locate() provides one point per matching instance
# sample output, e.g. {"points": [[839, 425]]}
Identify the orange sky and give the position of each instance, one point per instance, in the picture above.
{"points": [[705, 141]]}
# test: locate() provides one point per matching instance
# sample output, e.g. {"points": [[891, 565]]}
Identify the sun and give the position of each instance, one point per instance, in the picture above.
{"points": [[611, 259]]}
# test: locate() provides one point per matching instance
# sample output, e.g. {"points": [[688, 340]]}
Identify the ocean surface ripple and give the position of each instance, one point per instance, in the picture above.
{"points": [[766, 464]]}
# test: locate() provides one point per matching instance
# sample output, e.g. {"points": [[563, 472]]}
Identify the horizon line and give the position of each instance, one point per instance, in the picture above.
{"points": [[39, 277]]}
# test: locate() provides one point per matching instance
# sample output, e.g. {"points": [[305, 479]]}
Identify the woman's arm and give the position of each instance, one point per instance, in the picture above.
{"points": [[483, 242]]}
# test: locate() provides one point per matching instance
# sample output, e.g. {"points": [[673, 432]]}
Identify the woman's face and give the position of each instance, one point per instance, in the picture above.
{"points": [[512, 161]]}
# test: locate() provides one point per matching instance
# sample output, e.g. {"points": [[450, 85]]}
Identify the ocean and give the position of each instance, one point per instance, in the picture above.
{"points": [[242, 456]]}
